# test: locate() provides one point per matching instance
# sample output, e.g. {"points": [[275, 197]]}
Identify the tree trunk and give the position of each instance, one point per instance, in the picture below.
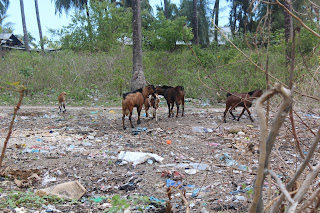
{"points": [[25, 32], [288, 30], [138, 80], [165, 2], [39, 24], [216, 19], [195, 22]]}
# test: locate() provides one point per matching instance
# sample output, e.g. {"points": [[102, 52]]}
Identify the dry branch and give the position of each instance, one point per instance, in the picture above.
{"points": [[267, 140]]}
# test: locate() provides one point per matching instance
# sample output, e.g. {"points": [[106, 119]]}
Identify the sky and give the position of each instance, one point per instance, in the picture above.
{"points": [[50, 20]]}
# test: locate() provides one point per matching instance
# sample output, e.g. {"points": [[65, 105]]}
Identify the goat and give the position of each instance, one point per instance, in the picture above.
{"points": [[152, 101], [135, 99], [172, 95], [62, 102], [240, 100]]}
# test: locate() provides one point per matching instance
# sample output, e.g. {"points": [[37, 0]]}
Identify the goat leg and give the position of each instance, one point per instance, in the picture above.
{"points": [[131, 120], [124, 127], [138, 121], [177, 109], [244, 108], [172, 110]]}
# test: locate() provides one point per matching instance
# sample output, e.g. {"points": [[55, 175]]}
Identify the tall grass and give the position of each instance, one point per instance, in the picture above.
{"points": [[101, 78]]}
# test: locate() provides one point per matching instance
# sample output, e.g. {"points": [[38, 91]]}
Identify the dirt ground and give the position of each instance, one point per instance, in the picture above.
{"points": [[213, 160]]}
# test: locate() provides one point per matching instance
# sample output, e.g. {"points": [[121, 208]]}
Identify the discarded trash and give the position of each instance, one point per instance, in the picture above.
{"points": [[172, 183], [199, 166], [191, 171], [69, 190], [138, 157], [95, 112], [112, 111], [201, 129], [172, 174], [168, 141], [250, 126], [139, 129]]}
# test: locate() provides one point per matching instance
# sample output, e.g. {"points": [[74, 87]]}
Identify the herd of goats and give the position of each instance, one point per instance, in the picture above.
{"points": [[149, 97]]}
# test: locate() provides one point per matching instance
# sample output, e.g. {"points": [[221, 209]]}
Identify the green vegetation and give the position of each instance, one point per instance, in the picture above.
{"points": [[100, 78], [28, 199]]}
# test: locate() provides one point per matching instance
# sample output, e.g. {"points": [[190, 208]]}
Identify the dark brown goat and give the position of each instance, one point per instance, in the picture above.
{"points": [[244, 100], [172, 95], [152, 101], [135, 99]]}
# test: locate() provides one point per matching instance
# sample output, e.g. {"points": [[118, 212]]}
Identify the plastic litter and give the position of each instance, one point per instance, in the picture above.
{"points": [[201, 129], [69, 190], [138, 130], [138, 157]]}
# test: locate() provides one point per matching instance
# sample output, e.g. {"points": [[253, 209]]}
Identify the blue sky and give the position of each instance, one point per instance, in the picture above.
{"points": [[50, 20]]}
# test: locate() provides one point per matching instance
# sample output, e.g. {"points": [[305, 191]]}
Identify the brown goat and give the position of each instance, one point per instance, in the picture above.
{"points": [[244, 100], [62, 102], [172, 95], [152, 101], [135, 99]]}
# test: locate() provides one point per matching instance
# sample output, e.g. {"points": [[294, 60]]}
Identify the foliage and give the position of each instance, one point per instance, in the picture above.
{"points": [[107, 27], [119, 204], [166, 33], [28, 199]]}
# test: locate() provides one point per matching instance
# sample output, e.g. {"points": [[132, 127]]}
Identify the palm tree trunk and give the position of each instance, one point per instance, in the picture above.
{"points": [[39, 24], [165, 2], [25, 32], [195, 22], [138, 79], [216, 19]]}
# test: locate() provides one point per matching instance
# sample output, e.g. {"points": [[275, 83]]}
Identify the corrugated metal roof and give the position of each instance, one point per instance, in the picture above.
{"points": [[5, 36]]}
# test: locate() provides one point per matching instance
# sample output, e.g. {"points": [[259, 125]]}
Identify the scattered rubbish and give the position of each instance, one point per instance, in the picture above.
{"points": [[131, 185], [168, 141], [46, 179], [310, 115], [250, 126], [69, 190], [173, 183], [94, 112], [138, 130], [228, 160], [191, 171], [201, 129], [199, 166], [213, 144], [153, 199], [138, 157], [112, 111], [172, 174]]}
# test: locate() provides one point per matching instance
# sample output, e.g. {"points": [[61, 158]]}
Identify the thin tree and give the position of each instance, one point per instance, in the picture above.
{"points": [[215, 16], [39, 24], [25, 32], [138, 79], [165, 2], [195, 22]]}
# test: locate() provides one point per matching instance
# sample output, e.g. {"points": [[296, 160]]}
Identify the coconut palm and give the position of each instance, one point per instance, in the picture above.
{"points": [[25, 32], [39, 24], [4, 4]]}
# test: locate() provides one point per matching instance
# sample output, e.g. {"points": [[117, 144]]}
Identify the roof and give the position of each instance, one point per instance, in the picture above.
{"points": [[9, 39]]}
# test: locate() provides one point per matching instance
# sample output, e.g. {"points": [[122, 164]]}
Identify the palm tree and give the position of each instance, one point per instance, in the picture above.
{"points": [[195, 22], [138, 79], [39, 24], [215, 17], [25, 32], [4, 4]]}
